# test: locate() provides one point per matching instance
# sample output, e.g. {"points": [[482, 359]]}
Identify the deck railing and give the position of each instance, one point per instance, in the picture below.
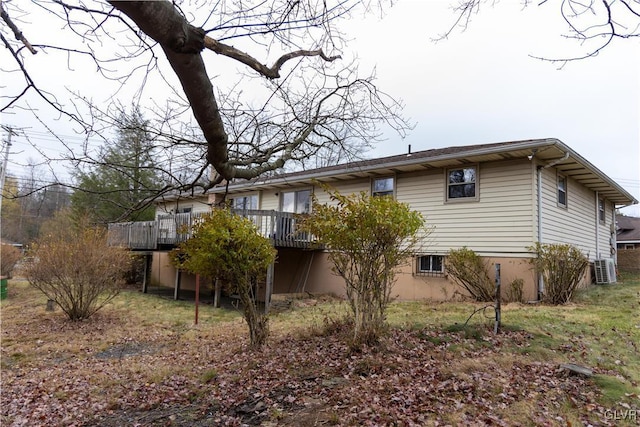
{"points": [[170, 230]]}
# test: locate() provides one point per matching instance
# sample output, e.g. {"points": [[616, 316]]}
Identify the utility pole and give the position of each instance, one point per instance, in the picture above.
{"points": [[3, 173]]}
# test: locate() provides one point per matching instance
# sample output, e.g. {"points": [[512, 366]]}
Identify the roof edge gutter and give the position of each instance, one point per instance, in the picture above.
{"points": [[535, 143]]}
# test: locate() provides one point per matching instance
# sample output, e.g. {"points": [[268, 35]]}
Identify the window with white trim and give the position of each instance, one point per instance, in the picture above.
{"points": [[245, 202], [430, 265], [601, 210], [562, 191], [383, 186], [462, 183], [293, 202], [296, 201]]}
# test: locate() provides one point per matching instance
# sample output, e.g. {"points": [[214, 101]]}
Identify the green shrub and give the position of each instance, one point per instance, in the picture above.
{"points": [[472, 273], [369, 238], [228, 247], [562, 267]]}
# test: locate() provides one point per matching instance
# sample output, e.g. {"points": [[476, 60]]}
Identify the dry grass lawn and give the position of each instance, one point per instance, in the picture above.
{"points": [[142, 361]]}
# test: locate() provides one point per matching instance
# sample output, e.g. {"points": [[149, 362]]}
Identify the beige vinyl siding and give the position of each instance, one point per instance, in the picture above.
{"points": [[197, 206], [268, 200], [575, 224], [500, 222], [345, 188], [200, 207], [604, 231]]}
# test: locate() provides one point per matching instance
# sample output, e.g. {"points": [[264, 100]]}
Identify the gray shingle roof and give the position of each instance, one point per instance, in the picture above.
{"points": [[628, 229], [544, 151]]}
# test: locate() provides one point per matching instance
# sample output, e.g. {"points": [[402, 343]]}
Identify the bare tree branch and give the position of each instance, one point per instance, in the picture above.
{"points": [[595, 24], [272, 72], [16, 32], [318, 105]]}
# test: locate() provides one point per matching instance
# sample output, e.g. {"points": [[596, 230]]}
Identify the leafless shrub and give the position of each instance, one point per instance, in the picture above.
{"points": [[9, 257], [515, 291], [472, 273], [562, 267], [74, 267]]}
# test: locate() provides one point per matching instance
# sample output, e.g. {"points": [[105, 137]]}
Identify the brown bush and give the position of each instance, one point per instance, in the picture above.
{"points": [[562, 267], [472, 273], [74, 267], [9, 257]]}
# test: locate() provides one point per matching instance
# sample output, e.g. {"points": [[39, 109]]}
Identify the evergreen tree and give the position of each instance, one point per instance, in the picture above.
{"points": [[116, 185]]}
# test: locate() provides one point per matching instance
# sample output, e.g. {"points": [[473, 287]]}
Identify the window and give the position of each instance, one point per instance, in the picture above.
{"points": [[601, 215], [430, 265], [382, 187], [562, 191], [296, 201], [249, 202], [184, 210], [462, 183]]}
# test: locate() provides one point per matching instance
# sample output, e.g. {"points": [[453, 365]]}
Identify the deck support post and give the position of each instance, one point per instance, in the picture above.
{"points": [[268, 288], [216, 293], [147, 272], [176, 289]]}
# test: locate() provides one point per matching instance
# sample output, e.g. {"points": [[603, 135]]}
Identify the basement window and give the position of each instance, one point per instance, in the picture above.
{"points": [[430, 265]]}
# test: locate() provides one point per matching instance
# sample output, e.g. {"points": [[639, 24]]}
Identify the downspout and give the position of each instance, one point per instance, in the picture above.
{"points": [[613, 232], [539, 197], [598, 225]]}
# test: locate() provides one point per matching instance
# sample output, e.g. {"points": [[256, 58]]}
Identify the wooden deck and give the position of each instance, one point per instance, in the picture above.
{"points": [[167, 231]]}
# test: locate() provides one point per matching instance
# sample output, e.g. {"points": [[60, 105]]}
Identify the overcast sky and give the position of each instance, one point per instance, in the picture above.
{"points": [[482, 85], [478, 86]]}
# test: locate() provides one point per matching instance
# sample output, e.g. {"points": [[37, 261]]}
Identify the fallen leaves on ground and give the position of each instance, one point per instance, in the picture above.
{"points": [[110, 371]]}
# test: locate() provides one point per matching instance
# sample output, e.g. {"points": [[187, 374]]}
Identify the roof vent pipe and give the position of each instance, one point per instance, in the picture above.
{"points": [[409, 151]]}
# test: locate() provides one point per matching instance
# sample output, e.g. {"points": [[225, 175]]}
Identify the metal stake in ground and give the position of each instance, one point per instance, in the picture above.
{"points": [[496, 327]]}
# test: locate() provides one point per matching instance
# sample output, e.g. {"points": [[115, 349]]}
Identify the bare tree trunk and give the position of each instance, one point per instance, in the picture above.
{"points": [[257, 321], [182, 43]]}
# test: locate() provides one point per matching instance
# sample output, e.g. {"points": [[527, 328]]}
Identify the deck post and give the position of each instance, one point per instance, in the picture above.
{"points": [[147, 271], [176, 289], [197, 296], [216, 293], [268, 288]]}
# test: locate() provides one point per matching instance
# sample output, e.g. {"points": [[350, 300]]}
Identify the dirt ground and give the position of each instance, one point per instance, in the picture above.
{"points": [[128, 365]]}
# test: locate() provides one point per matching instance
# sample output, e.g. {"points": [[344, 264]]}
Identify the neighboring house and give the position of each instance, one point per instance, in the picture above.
{"points": [[628, 240], [628, 232], [496, 199]]}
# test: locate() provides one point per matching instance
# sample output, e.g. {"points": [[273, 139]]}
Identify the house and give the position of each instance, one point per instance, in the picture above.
{"points": [[497, 199], [628, 240], [627, 232]]}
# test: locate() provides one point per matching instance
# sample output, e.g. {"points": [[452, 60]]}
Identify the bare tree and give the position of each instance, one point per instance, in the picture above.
{"points": [[294, 92], [594, 24], [29, 201]]}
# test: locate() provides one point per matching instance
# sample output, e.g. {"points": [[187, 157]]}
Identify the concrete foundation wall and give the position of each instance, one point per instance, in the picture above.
{"points": [[164, 274], [408, 286], [298, 271]]}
